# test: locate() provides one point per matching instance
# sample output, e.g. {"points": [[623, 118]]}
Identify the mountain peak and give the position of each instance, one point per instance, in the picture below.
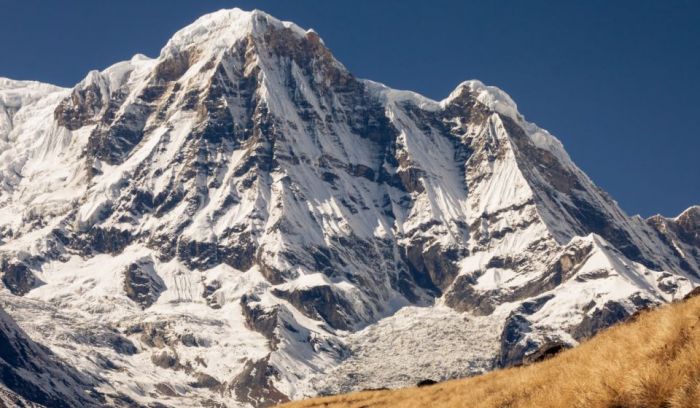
{"points": [[693, 211], [491, 97], [221, 29]]}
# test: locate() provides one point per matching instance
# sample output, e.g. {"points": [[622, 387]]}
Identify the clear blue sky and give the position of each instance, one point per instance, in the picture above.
{"points": [[617, 81]]}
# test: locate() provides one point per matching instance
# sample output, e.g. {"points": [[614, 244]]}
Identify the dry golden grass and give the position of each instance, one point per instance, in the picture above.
{"points": [[651, 361]]}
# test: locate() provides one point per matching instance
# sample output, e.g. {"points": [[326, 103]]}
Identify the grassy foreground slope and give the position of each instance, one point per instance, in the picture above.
{"points": [[651, 361]]}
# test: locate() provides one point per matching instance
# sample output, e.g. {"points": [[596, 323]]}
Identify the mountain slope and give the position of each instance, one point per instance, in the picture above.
{"points": [[232, 221], [32, 376], [612, 369]]}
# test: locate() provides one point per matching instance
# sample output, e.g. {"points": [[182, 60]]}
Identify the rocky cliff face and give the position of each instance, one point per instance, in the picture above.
{"points": [[234, 221]]}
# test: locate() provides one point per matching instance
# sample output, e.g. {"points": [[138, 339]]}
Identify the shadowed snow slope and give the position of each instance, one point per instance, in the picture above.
{"points": [[31, 374], [242, 221]]}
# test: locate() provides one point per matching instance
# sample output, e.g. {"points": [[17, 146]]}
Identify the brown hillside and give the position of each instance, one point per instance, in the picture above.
{"points": [[651, 361]]}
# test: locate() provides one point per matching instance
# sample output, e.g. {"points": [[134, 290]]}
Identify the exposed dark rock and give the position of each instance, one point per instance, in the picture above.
{"points": [[203, 380], [681, 232], [585, 213], [411, 179], [253, 385], [106, 338], [239, 253], [142, 283], [598, 274], [689, 226], [359, 170], [113, 143], [105, 363], [154, 334], [425, 383], [518, 348], [668, 286], [263, 321], [463, 297], [173, 67], [17, 276], [601, 318], [188, 340], [165, 359], [209, 292], [546, 351], [432, 266], [80, 108], [529, 307], [103, 240], [515, 344], [165, 389], [320, 302], [329, 177]]}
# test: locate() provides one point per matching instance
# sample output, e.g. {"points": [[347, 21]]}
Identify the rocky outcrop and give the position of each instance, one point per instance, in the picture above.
{"points": [[17, 276], [262, 320], [320, 302], [254, 384], [142, 284], [610, 313], [516, 346], [682, 234], [80, 108]]}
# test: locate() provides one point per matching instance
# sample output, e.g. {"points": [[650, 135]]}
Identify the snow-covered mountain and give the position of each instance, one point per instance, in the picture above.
{"points": [[241, 221]]}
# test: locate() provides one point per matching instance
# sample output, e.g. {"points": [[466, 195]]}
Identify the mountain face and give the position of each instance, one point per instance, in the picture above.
{"points": [[32, 376], [241, 221]]}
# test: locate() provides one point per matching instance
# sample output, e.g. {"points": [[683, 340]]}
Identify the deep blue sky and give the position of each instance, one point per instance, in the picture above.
{"points": [[617, 81]]}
